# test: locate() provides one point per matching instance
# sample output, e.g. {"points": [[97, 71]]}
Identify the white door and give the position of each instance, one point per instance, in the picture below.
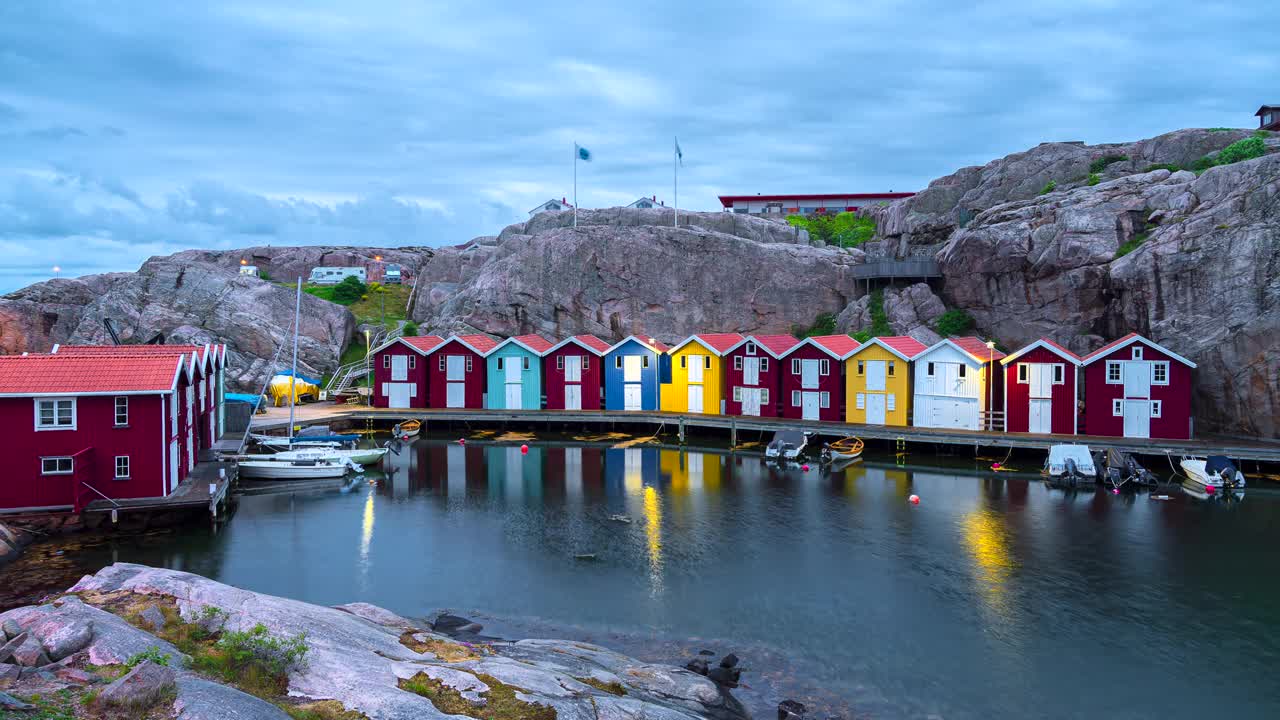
{"points": [[1137, 381], [875, 377], [515, 396], [512, 368], [455, 395], [573, 368], [809, 403], [696, 363], [572, 397], [398, 394], [1040, 380], [875, 407], [751, 371], [1040, 416], [455, 368], [173, 465], [695, 398], [191, 447], [1137, 418], [631, 365], [399, 368], [631, 396], [808, 373], [964, 414], [751, 401]]}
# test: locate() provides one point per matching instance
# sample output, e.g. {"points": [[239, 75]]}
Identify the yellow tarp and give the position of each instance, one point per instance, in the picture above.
{"points": [[278, 389]]}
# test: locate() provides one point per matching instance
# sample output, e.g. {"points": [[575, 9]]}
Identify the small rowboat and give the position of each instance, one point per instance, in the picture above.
{"points": [[407, 429], [846, 448]]}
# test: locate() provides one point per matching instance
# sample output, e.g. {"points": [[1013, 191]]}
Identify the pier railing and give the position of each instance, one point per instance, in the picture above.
{"points": [[910, 268]]}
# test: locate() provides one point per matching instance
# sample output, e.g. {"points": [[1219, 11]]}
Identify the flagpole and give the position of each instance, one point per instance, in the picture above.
{"points": [[675, 174], [575, 184]]}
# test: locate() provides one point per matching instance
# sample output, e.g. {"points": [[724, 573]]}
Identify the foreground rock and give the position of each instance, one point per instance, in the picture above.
{"points": [[362, 657], [142, 687]]}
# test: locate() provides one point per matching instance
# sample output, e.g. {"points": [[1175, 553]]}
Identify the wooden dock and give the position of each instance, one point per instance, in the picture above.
{"points": [[681, 424], [206, 489]]}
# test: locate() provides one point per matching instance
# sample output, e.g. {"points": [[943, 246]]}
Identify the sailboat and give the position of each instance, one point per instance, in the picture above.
{"points": [[291, 464]]}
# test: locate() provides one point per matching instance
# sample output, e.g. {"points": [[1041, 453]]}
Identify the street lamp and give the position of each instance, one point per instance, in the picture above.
{"points": [[991, 388], [368, 400]]}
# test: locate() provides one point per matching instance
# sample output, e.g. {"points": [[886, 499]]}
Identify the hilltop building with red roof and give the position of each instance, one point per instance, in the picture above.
{"points": [[814, 204]]}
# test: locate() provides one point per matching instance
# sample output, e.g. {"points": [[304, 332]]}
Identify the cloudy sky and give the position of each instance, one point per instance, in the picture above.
{"points": [[126, 133]]}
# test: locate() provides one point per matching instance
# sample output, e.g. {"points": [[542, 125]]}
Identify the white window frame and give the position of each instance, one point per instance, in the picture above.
{"points": [[795, 398], [1117, 407], [586, 362], [1137, 352], [468, 363], [1156, 408], [824, 400], [413, 362], [795, 366], [71, 465], [861, 369], [1162, 365], [386, 361], [617, 361], [442, 362], [1059, 374], [1119, 372], [860, 401], [40, 427], [737, 362], [127, 467], [764, 396], [890, 402], [928, 369], [824, 367], [889, 370], [125, 400], [559, 362], [751, 348], [1024, 374], [764, 364], [644, 362], [737, 393]]}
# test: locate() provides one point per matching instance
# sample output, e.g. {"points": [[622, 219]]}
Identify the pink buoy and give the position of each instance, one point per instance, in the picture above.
{"points": [[405, 438], [995, 466], [524, 449], [1209, 489], [1115, 491], [462, 441], [914, 499], [805, 467]]}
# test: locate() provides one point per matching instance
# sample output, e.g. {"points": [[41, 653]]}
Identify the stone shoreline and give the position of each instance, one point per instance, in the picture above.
{"points": [[136, 641]]}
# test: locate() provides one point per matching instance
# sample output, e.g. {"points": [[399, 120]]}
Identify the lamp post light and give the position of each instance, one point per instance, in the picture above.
{"points": [[991, 388], [368, 400]]}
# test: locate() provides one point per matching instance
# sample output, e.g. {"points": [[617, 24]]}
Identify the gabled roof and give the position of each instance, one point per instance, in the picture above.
{"points": [[904, 346], [586, 342], [718, 343], [535, 344], [1130, 339], [477, 343], [423, 344], [1265, 108], [837, 346], [974, 347], [1047, 344], [775, 345], [544, 203], [92, 374], [650, 342]]}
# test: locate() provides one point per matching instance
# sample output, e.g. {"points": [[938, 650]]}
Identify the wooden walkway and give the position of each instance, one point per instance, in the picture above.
{"points": [[1239, 449], [206, 488]]}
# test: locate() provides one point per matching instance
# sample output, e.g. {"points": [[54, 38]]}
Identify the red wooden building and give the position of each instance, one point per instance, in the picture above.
{"points": [[1136, 388], [78, 427], [572, 371], [400, 371], [812, 385], [1041, 389], [456, 372], [753, 375]]}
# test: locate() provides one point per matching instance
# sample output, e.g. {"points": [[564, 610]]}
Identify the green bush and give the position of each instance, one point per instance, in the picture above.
{"points": [[824, 324], [844, 229], [953, 322], [879, 320], [1094, 179], [1132, 245], [1241, 150], [1101, 163], [1163, 166], [255, 647], [152, 653], [1049, 187], [410, 329], [1201, 165], [349, 290], [862, 336]]}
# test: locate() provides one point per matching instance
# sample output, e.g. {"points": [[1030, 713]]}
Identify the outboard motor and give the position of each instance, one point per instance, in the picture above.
{"points": [[1070, 470]]}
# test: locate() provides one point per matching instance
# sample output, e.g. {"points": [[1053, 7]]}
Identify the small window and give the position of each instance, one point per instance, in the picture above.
{"points": [[1117, 408], [890, 402], [500, 363], [764, 396], [764, 364], [413, 362], [617, 361], [824, 400], [56, 466], [1059, 374], [1023, 371], [442, 363], [559, 362], [1160, 373], [824, 367], [525, 362], [386, 362], [795, 398], [964, 369], [860, 367], [56, 414], [586, 362], [468, 363], [683, 361], [122, 467], [1114, 372], [122, 411], [1137, 352], [645, 362], [751, 348], [860, 401], [737, 362], [1155, 408], [706, 361], [737, 393], [928, 370], [891, 363], [795, 366]]}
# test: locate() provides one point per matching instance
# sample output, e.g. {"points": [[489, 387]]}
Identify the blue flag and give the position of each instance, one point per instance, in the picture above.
{"points": [[679, 152], [583, 153]]}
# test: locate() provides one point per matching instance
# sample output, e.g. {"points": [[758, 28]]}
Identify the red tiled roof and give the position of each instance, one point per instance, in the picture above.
{"points": [[654, 342], [593, 342], [537, 343], [727, 200], [839, 345], [720, 342], [1110, 346], [214, 350], [977, 347], [776, 344], [1059, 348], [89, 373], [905, 344], [425, 343], [479, 342]]}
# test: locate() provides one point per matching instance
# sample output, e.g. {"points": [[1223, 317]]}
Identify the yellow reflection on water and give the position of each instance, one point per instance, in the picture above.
{"points": [[987, 541], [366, 539], [652, 506]]}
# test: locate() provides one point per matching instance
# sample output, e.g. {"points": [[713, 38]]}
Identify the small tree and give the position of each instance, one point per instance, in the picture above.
{"points": [[953, 322], [349, 290], [410, 329]]}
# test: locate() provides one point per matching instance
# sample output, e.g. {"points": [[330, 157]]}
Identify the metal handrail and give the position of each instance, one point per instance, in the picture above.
{"points": [[104, 497]]}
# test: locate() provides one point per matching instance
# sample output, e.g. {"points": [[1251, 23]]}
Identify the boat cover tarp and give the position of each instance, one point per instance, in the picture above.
{"points": [[1219, 464], [794, 438], [278, 388], [1059, 454], [301, 377], [247, 398]]}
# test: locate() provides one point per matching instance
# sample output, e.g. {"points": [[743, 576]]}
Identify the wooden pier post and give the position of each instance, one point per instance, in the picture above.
{"points": [[733, 434], [681, 431]]}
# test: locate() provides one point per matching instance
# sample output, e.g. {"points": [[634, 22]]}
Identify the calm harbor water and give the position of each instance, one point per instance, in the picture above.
{"points": [[995, 597]]}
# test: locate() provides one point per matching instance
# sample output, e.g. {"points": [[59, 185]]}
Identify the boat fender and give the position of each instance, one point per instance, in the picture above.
{"points": [[462, 441], [524, 449], [914, 499], [995, 466], [805, 467], [1209, 489]]}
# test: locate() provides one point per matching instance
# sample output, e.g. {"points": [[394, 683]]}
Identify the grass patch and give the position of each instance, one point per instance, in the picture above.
{"points": [[824, 324], [1221, 129], [323, 710], [1049, 187], [446, 650], [500, 700], [1171, 167], [375, 303], [953, 322], [1101, 163], [613, 688], [1133, 244], [1094, 179]]}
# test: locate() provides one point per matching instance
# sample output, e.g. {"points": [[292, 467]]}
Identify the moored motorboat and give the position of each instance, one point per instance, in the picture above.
{"points": [[1071, 465], [292, 469], [1122, 469], [846, 448], [787, 444], [1214, 475], [360, 456]]}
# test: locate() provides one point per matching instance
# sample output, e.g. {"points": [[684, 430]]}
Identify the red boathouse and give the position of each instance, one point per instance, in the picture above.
{"points": [[1041, 393], [813, 378], [572, 371], [456, 372], [753, 375], [81, 427], [400, 371], [1136, 388]]}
